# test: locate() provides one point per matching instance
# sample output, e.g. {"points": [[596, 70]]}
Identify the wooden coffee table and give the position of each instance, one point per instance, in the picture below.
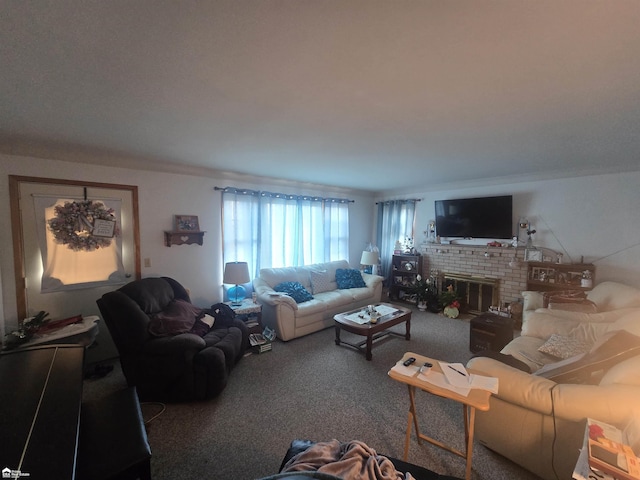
{"points": [[372, 331]]}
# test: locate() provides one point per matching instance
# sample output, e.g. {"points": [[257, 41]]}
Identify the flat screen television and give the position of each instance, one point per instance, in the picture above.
{"points": [[484, 217]]}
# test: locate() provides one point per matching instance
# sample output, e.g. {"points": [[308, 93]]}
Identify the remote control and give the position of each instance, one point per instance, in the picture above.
{"points": [[408, 361]]}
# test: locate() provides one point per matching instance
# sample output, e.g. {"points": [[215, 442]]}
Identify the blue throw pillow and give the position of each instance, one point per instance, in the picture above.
{"points": [[295, 290], [349, 278]]}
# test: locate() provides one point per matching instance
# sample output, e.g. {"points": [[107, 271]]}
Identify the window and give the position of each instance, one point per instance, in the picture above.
{"points": [[90, 264], [277, 230], [396, 219]]}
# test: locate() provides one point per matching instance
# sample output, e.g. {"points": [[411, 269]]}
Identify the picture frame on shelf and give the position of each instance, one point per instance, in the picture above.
{"points": [[186, 223], [408, 266], [532, 255]]}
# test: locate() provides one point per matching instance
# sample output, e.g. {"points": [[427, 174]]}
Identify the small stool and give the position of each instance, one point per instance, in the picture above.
{"points": [[113, 439]]}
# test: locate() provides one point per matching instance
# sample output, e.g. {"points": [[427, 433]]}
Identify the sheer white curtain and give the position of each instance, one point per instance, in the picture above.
{"points": [[396, 220], [277, 230]]}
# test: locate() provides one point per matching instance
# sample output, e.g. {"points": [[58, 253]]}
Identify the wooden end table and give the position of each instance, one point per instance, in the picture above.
{"points": [[372, 331], [476, 400]]}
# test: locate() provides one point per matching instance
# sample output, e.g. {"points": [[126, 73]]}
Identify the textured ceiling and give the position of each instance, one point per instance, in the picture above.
{"points": [[368, 94]]}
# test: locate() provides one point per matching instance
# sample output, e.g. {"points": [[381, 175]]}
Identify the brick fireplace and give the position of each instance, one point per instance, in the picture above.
{"points": [[484, 271]]}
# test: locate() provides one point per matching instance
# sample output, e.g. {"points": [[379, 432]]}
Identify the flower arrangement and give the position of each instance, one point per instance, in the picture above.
{"points": [[450, 302], [449, 298], [74, 222]]}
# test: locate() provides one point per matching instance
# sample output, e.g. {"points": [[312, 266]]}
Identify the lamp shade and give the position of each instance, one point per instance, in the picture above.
{"points": [[369, 258], [236, 273]]}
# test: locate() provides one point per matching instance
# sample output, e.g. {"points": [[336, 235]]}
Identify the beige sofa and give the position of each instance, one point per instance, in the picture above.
{"points": [[539, 423], [290, 319]]}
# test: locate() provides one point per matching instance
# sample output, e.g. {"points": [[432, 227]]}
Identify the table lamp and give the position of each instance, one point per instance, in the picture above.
{"points": [[236, 273], [370, 258]]}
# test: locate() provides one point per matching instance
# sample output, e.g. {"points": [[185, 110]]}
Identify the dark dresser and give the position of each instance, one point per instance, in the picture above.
{"points": [[489, 331], [40, 398]]}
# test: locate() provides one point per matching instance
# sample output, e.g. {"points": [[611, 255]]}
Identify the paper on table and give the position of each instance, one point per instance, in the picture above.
{"points": [[456, 374], [358, 317], [384, 310], [439, 380]]}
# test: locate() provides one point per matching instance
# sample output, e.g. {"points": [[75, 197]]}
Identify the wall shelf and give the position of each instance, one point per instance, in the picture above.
{"points": [[547, 276], [183, 238]]}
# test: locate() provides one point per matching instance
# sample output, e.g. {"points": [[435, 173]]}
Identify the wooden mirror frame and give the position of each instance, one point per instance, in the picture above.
{"points": [[17, 236]]}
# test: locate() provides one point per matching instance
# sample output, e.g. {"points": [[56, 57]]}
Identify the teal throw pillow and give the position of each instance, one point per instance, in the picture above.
{"points": [[349, 278], [295, 290]]}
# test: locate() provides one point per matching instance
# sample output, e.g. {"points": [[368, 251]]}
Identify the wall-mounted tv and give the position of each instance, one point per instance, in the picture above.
{"points": [[484, 217]]}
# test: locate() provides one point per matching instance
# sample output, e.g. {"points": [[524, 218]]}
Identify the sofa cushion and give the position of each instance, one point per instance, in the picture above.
{"points": [[613, 296], [625, 373], [611, 349], [295, 290], [542, 324], [349, 278], [532, 300], [564, 346], [322, 281], [629, 322], [178, 317], [590, 332]]}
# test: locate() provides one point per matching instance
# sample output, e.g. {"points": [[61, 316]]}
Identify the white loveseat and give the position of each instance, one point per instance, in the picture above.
{"points": [[290, 319], [539, 423]]}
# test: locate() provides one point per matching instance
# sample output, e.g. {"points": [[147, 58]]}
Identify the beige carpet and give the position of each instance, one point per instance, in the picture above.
{"points": [[310, 388]]}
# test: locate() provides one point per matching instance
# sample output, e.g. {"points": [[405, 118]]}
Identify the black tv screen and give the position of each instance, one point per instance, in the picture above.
{"points": [[485, 217]]}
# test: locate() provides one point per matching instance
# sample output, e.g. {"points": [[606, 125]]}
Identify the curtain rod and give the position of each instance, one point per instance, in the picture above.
{"points": [[261, 193], [402, 200]]}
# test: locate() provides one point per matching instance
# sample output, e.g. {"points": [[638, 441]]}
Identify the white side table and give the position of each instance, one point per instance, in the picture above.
{"points": [[247, 311]]}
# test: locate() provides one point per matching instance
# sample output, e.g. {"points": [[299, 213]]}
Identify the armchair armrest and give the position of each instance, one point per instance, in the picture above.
{"points": [[573, 402], [268, 296], [372, 280]]}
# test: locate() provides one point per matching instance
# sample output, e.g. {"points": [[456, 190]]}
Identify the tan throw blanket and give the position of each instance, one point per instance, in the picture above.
{"points": [[350, 461]]}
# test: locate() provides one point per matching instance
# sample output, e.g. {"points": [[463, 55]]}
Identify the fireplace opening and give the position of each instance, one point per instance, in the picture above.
{"points": [[476, 294]]}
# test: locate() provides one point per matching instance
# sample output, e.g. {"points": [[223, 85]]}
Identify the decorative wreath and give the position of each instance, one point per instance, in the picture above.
{"points": [[75, 222]]}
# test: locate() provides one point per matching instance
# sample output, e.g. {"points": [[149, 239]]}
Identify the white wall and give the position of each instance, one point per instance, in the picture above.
{"points": [[595, 217], [161, 196]]}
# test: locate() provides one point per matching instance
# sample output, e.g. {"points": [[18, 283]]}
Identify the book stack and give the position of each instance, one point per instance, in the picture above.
{"points": [[609, 451], [259, 343]]}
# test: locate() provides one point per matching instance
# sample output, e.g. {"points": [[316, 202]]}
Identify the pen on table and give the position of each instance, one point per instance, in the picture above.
{"points": [[456, 370]]}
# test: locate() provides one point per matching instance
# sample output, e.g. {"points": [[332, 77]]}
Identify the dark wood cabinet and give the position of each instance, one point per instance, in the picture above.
{"points": [[546, 276], [405, 268], [490, 332]]}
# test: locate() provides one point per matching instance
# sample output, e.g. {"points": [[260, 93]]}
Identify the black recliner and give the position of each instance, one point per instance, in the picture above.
{"points": [[179, 366]]}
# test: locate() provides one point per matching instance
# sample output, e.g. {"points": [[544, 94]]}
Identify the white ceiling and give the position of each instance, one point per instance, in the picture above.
{"points": [[368, 94]]}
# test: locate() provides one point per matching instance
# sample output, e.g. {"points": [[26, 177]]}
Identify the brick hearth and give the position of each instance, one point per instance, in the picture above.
{"points": [[479, 261]]}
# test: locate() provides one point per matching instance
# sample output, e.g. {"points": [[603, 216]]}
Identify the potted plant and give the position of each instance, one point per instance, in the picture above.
{"points": [[425, 291], [450, 302]]}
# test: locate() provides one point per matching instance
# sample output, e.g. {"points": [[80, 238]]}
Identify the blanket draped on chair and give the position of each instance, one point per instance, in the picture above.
{"points": [[348, 460]]}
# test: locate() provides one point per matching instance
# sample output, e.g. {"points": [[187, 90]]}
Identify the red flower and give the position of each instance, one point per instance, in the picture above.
{"points": [[595, 431], [455, 304]]}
